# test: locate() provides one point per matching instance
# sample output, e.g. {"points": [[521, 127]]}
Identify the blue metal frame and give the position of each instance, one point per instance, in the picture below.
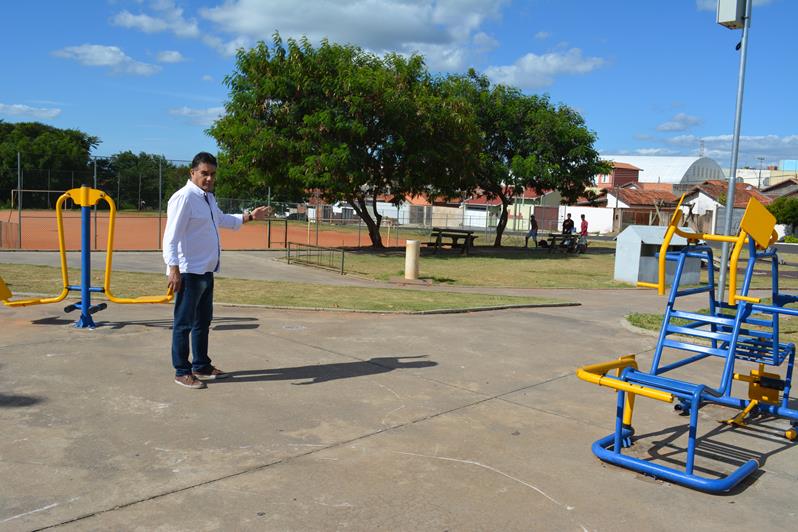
{"points": [[730, 337], [85, 321]]}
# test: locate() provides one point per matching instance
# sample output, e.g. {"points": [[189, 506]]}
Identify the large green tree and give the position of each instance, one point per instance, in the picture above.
{"points": [[42, 148], [346, 124], [133, 179], [526, 141], [785, 209]]}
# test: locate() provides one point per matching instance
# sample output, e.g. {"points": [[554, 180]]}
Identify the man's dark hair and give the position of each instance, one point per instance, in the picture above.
{"points": [[203, 157]]}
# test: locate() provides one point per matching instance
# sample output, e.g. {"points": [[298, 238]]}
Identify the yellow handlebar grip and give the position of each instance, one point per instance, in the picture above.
{"points": [[642, 284]]}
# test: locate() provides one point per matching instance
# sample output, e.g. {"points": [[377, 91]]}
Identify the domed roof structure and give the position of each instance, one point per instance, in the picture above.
{"points": [[672, 170]]}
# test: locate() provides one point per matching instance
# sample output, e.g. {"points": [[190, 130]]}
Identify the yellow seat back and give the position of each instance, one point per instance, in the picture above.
{"points": [[758, 223], [5, 293]]}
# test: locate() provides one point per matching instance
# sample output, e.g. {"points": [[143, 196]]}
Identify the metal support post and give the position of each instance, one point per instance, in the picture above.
{"points": [[95, 206], [727, 227], [19, 200], [85, 320], [160, 198]]}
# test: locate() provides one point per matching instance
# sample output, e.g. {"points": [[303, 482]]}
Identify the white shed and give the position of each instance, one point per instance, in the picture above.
{"points": [[636, 260]]}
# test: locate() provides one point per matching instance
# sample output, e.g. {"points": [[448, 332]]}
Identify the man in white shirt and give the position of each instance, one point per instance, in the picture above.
{"points": [[192, 252]]}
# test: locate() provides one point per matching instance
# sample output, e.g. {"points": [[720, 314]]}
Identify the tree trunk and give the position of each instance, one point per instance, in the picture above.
{"points": [[373, 227], [502, 220]]}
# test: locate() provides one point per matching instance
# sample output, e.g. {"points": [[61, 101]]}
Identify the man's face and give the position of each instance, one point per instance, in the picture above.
{"points": [[204, 176]]}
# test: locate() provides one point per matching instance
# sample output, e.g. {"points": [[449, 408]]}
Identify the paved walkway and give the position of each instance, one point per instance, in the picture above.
{"points": [[343, 421]]}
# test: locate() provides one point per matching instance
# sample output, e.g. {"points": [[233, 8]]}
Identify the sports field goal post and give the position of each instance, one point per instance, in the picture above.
{"points": [[50, 194]]}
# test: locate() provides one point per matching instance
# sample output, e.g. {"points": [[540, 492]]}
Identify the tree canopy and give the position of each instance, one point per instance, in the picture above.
{"points": [[351, 126], [527, 142], [344, 123], [41, 147], [785, 209]]}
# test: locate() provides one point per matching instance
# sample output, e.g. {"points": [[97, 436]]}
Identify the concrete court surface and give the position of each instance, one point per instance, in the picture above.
{"points": [[346, 421]]}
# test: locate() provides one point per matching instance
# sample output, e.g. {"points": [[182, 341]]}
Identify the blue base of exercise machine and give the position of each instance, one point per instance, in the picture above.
{"points": [[740, 329], [604, 449]]}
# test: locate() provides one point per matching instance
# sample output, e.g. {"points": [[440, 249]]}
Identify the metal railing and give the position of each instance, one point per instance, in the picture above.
{"points": [[318, 256]]}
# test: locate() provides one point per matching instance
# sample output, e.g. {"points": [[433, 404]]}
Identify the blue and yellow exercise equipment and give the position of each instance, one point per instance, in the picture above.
{"points": [[739, 329], [86, 198]]}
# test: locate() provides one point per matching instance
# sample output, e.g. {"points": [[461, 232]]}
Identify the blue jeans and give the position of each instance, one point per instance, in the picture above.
{"points": [[193, 314]]}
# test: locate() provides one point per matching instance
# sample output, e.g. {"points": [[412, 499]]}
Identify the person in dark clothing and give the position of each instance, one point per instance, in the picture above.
{"points": [[567, 225]]}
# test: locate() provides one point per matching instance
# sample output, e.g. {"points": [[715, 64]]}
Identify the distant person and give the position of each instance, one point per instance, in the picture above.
{"points": [[192, 252], [533, 231], [582, 247], [567, 225]]}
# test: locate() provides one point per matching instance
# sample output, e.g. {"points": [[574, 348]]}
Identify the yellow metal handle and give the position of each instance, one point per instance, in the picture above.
{"points": [[596, 373], [109, 262], [59, 217], [643, 284]]}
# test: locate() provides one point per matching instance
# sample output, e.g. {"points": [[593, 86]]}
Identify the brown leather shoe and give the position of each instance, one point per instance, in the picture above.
{"points": [[210, 373], [189, 381]]}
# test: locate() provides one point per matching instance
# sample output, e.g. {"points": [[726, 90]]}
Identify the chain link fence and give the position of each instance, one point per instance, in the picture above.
{"points": [[140, 186]]}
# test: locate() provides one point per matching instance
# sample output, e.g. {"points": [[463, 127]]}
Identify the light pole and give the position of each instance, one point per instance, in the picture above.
{"points": [[759, 179], [733, 15]]}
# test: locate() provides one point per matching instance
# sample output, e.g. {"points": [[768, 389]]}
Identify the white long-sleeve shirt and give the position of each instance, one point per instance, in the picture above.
{"points": [[191, 238]]}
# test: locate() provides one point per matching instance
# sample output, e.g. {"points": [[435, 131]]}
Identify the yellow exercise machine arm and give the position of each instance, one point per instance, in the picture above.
{"points": [[757, 222], [84, 197]]}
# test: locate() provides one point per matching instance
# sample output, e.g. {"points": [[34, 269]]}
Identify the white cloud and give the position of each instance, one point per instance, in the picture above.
{"points": [[485, 42], [711, 5], [97, 55], [198, 117], [542, 35], [445, 31], [654, 151], [680, 122], [535, 71], [228, 48], [42, 113], [772, 147], [207, 77], [169, 18], [142, 22], [170, 56]]}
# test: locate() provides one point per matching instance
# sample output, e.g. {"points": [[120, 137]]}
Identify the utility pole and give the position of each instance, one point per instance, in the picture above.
{"points": [[759, 179], [19, 200], [733, 14]]}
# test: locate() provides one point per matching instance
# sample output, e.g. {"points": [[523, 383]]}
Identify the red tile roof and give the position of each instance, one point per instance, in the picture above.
{"points": [[645, 198], [716, 189], [625, 166], [665, 187]]}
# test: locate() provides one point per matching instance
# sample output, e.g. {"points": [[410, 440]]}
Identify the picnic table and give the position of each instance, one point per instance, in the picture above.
{"points": [[454, 236], [556, 239]]}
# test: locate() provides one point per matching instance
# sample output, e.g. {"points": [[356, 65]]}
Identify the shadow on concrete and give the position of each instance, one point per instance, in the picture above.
{"points": [[15, 401], [219, 324], [327, 372], [763, 432]]}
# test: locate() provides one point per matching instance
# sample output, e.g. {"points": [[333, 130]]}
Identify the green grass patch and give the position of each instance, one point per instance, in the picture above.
{"points": [[47, 280], [516, 267], [503, 267]]}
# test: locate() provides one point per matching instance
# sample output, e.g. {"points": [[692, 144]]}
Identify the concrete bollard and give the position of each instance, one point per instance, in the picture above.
{"points": [[412, 249]]}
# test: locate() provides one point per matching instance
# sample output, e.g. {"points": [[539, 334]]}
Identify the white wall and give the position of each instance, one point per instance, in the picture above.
{"points": [[599, 219], [475, 218], [388, 210], [701, 204]]}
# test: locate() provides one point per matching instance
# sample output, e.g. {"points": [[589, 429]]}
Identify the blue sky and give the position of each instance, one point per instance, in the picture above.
{"points": [[653, 77]]}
